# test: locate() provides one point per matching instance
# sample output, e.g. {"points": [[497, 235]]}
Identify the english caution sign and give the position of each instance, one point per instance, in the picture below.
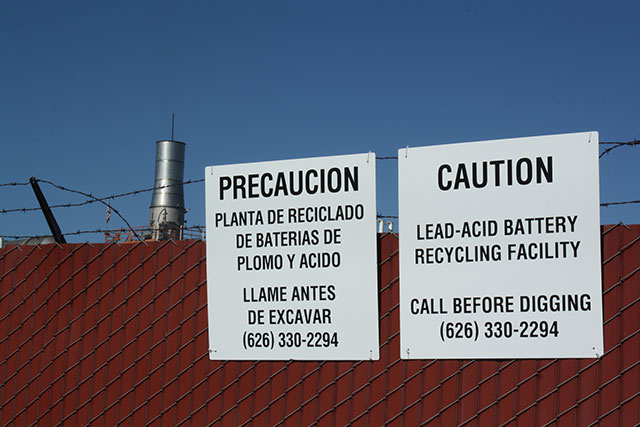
{"points": [[500, 249]]}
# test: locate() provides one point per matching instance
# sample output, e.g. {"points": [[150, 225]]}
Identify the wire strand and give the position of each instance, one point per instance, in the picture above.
{"points": [[628, 202], [92, 199], [198, 228], [100, 199], [617, 145], [14, 184], [60, 187]]}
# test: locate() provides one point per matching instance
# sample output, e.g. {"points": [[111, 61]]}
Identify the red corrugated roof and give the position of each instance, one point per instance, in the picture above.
{"points": [[103, 334]]}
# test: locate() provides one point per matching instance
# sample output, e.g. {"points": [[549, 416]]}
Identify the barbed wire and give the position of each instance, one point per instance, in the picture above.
{"points": [[628, 202], [617, 145], [14, 184], [93, 199], [198, 228], [614, 143], [98, 199], [91, 196]]}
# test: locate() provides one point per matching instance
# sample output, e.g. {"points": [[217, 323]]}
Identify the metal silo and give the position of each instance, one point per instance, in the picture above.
{"points": [[166, 218]]}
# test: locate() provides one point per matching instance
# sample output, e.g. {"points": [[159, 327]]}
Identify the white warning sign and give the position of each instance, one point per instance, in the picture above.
{"points": [[291, 259], [500, 249]]}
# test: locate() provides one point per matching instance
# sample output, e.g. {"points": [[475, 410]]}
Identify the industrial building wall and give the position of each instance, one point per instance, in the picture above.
{"points": [[107, 334]]}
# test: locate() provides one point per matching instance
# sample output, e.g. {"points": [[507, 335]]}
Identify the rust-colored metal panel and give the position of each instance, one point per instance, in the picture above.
{"points": [[107, 334]]}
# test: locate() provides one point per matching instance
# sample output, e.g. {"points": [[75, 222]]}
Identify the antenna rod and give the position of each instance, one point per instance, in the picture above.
{"points": [[46, 210], [173, 119]]}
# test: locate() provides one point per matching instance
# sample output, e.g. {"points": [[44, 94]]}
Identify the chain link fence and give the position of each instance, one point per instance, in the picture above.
{"points": [[116, 334]]}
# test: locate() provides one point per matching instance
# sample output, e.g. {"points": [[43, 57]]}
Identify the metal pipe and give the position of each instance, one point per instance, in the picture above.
{"points": [[46, 210], [167, 202]]}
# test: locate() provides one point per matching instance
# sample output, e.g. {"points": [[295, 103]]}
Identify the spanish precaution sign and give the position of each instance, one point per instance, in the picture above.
{"points": [[291, 259]]}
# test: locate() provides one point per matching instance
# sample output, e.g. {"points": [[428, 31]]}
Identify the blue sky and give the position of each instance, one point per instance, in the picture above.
{"points": [[86, 88]]}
